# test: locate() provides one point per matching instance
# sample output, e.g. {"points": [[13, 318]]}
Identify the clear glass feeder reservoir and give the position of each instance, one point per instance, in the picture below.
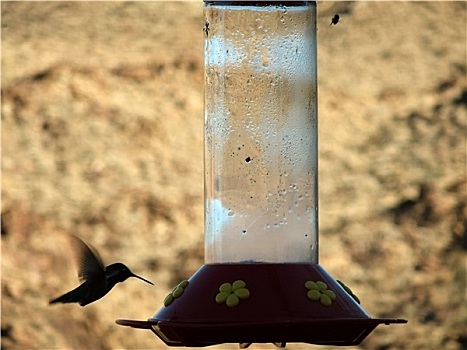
{"points": [[261, 281], [260, 133]]}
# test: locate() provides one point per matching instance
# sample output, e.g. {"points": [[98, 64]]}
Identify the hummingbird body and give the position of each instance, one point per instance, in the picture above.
{"points": [[97, 279]]}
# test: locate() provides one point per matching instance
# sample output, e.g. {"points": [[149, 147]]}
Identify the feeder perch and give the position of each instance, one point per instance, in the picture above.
{"points": [[261, 282]]}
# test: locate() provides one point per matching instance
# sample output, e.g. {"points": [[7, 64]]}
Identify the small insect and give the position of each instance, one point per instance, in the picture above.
{"points": [[335, 19], [206, 28]]}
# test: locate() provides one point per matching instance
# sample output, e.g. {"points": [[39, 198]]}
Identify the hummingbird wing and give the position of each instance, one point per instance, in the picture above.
{"points": [[90, 265]]}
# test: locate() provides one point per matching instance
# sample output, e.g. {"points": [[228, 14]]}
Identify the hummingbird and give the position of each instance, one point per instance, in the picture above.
{"points": [[96, 279]]}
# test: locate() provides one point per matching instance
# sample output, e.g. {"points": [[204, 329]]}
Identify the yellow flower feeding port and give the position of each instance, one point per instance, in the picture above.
{"points": [[261, 282]]}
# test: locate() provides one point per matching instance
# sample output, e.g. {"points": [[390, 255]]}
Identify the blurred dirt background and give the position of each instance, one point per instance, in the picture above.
{"points": [[102, 137]]}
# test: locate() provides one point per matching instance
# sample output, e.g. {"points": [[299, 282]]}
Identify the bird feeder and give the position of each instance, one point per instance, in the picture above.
{"points": [[261, 282]]}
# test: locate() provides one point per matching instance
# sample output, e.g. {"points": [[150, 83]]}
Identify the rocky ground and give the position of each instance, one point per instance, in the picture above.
{"points": [[102, 123]]}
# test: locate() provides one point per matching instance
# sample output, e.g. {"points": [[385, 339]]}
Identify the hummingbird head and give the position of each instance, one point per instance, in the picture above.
{"points": [[118, 272]]}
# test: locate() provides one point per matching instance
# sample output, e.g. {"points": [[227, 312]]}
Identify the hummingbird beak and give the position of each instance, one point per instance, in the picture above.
{"points": [[141, 278]]}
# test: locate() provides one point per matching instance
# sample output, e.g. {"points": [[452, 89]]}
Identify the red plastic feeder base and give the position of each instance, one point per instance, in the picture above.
{"points": [[260, 303]]}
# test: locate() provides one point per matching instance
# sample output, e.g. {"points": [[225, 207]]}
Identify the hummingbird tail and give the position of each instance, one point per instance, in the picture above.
{"points": [[75, 296], [65, 298]]}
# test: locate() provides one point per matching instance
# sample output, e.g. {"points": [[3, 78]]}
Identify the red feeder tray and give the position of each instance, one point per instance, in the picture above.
{"points": [[266, 303]]}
